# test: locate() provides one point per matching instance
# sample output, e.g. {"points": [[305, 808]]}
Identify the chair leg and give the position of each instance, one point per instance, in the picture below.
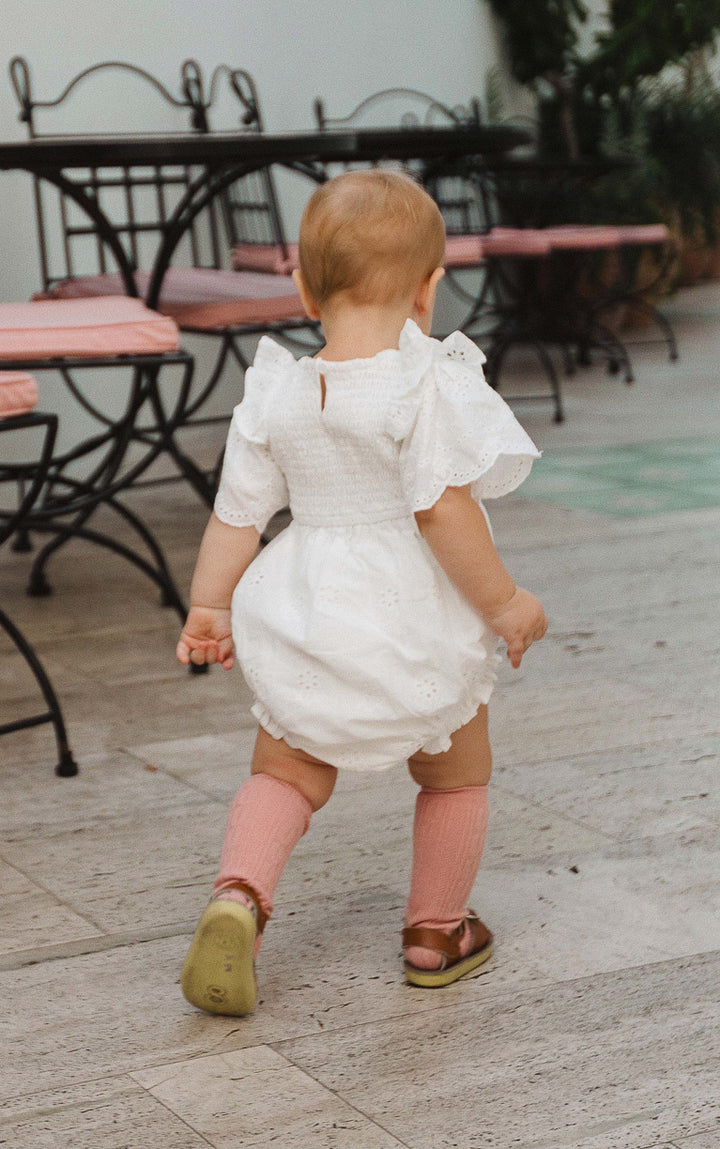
{"points": [[22, 543], [39, 587], [66, 766], [662, 322], [169, 595], [570, 360], [161, 577], [544, 356], [614, 350], [496, 357]]}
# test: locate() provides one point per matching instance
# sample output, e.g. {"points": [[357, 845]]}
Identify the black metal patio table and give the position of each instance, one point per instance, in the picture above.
{"points": [[215, 161], [222, 158]]}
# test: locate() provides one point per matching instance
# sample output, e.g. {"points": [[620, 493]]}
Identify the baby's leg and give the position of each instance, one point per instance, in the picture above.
{"points": [[270, 814], [451, 815]]}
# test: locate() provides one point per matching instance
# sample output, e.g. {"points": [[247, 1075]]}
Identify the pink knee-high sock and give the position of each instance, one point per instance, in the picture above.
{"points": [[448, 841], [266, 821]]}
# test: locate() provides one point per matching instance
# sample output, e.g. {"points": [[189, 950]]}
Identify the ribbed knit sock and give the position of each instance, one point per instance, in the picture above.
{"points": [[267, 819], [448, 840]]}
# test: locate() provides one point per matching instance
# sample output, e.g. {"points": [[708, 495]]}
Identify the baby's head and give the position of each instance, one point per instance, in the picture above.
{"points": [[371, 236]]}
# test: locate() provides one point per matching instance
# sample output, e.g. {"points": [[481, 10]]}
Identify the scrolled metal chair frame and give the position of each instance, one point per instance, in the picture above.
{"points": [[29, 479]]}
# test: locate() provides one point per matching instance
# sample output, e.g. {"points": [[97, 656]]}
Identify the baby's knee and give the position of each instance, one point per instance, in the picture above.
{"points": [[314, 780], [450, 776], [468, 762]]}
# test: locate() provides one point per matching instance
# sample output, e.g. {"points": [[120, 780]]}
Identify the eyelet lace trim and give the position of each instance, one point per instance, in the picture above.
{"points": [[479, 688]]}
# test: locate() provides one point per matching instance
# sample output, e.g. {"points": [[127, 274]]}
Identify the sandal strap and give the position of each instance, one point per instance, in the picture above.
{"points": [[261, 918], [447, 944]]}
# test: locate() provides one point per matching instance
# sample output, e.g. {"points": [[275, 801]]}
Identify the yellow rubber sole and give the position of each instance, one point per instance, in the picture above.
{"points": [[219, 971], [435, 978]]}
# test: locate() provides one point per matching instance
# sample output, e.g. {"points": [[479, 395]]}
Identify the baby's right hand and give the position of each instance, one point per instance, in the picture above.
{"points": [[521, 621], [206, 638]]}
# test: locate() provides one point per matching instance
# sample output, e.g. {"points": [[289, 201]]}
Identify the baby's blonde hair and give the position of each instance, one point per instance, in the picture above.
{"points": [[374, 235]]}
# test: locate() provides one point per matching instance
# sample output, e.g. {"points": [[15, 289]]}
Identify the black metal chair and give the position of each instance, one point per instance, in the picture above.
{"points": [[542, 287], [201, 293], [92, 340], [28, 478], [465, 197], [460, 194], [251, 205]]}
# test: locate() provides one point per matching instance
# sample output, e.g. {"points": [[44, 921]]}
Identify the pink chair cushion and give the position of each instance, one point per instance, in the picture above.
{"points": [[18, 393], [515, 243], [582, 237], [636, 235], [201, 299], [268, 257], [84, 328], [463, 251]]}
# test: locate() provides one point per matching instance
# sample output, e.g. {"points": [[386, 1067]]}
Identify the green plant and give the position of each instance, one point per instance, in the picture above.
{"points": [[612, 103], [541, 38], [643, 36], [683, 140]]}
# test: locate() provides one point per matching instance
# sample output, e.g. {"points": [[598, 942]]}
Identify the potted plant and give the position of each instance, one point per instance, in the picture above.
{"points": [[609, 102]]}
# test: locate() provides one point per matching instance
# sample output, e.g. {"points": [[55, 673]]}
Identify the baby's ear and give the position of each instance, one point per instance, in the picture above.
{"points": [[311, 308], [425, 298]]}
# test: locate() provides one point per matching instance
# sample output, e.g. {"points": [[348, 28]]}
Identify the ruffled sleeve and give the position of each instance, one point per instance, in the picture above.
{"points": [[453, 429], [252, 486]]}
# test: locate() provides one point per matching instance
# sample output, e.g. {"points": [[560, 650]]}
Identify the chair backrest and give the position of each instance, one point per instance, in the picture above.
{"points": [[461, 195], [251, 206], [104, 100]]}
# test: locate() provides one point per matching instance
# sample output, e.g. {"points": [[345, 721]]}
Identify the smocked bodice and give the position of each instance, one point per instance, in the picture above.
{"points": [[393, 432], [340, 463]]}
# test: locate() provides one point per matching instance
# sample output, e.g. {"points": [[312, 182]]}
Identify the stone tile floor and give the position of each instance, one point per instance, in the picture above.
{"points": [[596, 1025]]}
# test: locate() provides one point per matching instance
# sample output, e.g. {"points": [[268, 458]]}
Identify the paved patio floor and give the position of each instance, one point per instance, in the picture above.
{"points": [[595, 1026]]}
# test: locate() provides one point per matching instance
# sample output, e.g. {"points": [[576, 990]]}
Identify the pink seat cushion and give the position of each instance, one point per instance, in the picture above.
{"points": [[582, 237], [636, 235], [84, 328], [516, 243], [201, 299], [463, 251], [18, 393], [267, 257]]}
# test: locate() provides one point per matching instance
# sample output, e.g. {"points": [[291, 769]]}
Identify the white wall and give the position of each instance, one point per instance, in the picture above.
{"points": [[295, 52], [342, 52]]}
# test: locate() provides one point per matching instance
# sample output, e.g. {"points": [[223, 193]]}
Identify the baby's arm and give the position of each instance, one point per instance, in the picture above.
{"points": [[457, 533], [225, 554]]}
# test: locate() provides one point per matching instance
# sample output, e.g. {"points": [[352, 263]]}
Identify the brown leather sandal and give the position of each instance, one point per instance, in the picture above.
{"points": [[453, 966]]}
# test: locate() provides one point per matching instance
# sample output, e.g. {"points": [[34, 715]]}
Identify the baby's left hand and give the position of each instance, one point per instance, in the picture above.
{"points": [[206, 638]]}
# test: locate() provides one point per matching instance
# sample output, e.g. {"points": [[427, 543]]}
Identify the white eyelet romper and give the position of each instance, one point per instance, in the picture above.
{"points": [[355, 643]]}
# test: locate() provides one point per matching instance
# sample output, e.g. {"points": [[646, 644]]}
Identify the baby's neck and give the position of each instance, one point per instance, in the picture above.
{"points": [[354, 331]]}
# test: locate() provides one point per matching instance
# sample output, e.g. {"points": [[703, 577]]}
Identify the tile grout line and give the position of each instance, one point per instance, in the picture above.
{"points": [[528, 988], [195, 789], [628, 746], [80, 947], [88, 1081], [159, 1101], [334, 1092], [56, 897], [557, 814]]}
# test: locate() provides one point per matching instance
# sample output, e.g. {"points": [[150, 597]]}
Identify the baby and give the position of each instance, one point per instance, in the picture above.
{"points": [[367, 630]]}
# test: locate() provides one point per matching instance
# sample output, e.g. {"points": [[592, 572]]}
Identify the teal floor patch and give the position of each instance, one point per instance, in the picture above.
{"points": [[637, 479]]}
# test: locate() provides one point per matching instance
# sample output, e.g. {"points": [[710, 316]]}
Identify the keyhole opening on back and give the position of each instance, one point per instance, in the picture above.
{"points": [[323, 392]]}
